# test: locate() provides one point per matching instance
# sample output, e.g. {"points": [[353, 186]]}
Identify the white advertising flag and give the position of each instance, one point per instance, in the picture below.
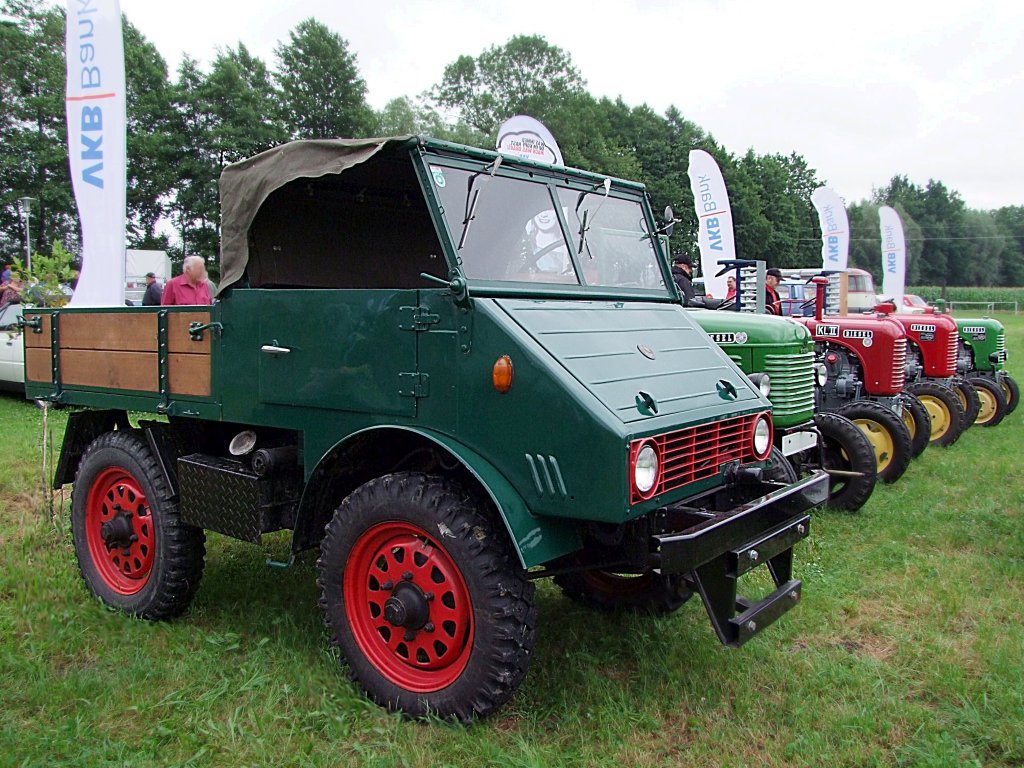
{"points": [[714, 219], [835, 228], [96, 146], [527, 138], [894, 255]]}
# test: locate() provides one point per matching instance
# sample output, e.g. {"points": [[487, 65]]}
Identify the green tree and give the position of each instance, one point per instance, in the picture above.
{"points": [[527, 75], [322, 94], [1011, 228]]}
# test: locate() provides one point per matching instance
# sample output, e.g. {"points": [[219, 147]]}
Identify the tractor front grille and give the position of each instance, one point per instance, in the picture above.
{"points": [[792, 394], [899, 364], [953, 353], [1001, 347]]}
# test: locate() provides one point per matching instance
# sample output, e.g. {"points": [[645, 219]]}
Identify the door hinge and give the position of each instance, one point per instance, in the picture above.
{"points": [[413, 384], [416, 318]]}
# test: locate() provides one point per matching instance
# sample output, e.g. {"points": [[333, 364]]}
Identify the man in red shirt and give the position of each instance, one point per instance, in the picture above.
{"points": [[190, 286]]}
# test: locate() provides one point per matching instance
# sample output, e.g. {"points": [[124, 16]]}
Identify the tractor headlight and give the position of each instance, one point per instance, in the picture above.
{"points": [[820, 374], [646, 468], [762, 440], [763, 382]]}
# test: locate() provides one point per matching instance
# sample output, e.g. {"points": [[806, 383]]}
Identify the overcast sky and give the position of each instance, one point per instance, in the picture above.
{"points": [[861, 90]]}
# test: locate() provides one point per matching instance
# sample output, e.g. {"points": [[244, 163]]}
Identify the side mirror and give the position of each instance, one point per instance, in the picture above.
{"points": [[670, 221]]}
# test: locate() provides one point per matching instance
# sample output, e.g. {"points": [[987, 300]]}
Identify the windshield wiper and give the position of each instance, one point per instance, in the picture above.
{"points": [[584, 225], [473, 197]]}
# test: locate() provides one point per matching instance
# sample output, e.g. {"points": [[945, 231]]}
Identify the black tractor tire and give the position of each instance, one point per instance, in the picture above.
{"points": [[993, 401], [888, 435], [846, 449], [779, 469], [945, 410], [1011, 392], [133, 551], [916, 417], [646, 594], [425, 598], [968, 396]]}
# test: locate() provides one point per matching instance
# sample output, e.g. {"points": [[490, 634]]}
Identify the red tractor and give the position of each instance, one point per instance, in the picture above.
{"points": [[865, 356], [932, 348]]}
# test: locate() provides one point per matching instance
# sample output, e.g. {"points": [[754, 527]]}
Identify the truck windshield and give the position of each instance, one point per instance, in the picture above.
{"points": [[531, 231]]}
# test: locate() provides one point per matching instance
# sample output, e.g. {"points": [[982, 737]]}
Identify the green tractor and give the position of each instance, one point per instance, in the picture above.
{"points": [[982, 358]]}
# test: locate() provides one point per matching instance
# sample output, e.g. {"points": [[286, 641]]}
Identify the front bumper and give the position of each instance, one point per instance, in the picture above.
{"points": [[714, 549]]}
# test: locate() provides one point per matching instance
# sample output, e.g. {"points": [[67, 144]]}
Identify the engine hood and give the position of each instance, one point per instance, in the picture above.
{"points": [[640, 359]]}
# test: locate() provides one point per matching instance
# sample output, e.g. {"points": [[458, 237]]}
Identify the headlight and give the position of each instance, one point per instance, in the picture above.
{"points": [[820, 374], [763, 382], [762, 440], [646, 469]]}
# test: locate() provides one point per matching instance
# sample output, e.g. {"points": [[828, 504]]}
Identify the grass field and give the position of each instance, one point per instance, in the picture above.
{"points": [[907, 650]]}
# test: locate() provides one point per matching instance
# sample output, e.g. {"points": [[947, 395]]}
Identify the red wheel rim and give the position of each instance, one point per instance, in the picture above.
{"points": [[119, 531], [408, 607]]}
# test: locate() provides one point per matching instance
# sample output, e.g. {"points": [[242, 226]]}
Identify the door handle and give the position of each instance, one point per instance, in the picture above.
{"points": [[271, 349]]}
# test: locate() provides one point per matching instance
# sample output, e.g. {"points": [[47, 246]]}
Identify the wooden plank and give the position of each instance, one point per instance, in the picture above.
{"points": [[103, 368], [37, 364], [116, 331], [178, 339], [33, 339], [189, 374]]}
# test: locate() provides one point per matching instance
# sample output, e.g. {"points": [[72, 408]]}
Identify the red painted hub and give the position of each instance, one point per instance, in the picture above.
{"points": [[408, 607], [119, 531]]}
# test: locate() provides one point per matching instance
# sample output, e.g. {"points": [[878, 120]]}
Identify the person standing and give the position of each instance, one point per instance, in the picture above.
{"points": [[772, 302], [188, 288], [154, 291], [682, 273]]}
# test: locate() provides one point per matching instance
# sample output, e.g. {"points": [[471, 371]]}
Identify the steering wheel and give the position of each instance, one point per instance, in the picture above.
{"points": [[545, 251]]}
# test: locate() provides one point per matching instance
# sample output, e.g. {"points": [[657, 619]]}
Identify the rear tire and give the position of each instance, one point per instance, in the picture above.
{"points": [[888, 435], [425, 598], [846, 448], [993, 402], [133, 551], [916, 417], [968, 397], [1011, 392], [944, 408]]}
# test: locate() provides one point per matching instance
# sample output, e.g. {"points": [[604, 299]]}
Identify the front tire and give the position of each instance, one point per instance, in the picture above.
{"points": [[1011, 392], [133, 551], [846, 449], [944, 408], [888, 435], [993, 402], [918, 422], [425, 598], [968, 397]]}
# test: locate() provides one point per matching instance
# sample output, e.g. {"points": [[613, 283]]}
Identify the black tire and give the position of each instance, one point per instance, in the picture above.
{"points": [[916, 417], [888, 435], [425, 598], [944, 409], [647, 594], [846, 449], [993, 402], [968, 397], [1011, 392], [779, 469], [120, 493]]}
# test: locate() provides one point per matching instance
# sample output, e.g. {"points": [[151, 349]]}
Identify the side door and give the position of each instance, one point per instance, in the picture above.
{"points": [[347, 350], [12, 354]]}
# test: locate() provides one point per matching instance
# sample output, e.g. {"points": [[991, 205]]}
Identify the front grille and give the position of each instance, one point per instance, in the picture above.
{"points": [[899, 364], [792, 378], [696, 453], [1001, 347], [953, 353]]}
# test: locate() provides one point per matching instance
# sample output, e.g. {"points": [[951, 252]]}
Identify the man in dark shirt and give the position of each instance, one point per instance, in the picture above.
{"points": [[682, 273], [772, 302], [153, 291]]}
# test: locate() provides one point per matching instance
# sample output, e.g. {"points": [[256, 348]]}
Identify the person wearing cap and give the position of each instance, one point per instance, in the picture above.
{"points": [[772, 302], [682, 273], [154, 291]]}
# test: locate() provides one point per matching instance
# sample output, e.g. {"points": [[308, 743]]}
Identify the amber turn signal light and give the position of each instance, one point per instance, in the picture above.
{"points": [[501, 374]]}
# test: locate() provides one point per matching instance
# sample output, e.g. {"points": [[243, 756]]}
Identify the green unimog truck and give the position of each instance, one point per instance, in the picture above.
{"points": [[453, 373]]}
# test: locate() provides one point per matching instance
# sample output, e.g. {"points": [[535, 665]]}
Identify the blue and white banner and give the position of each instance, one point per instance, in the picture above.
{"points": [[835, 228], [96, 146], [894, 255], [714, 219]]}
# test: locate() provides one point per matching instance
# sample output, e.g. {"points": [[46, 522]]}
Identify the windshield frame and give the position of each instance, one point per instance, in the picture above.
{"points": [[552, 179]]}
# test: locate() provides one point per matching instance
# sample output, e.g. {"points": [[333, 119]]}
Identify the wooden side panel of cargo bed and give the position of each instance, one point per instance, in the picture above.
{"points": [[118, 350]]}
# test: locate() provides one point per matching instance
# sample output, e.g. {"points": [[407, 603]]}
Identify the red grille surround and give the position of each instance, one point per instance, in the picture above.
{"points": [[695, 453], [953, 352]]}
